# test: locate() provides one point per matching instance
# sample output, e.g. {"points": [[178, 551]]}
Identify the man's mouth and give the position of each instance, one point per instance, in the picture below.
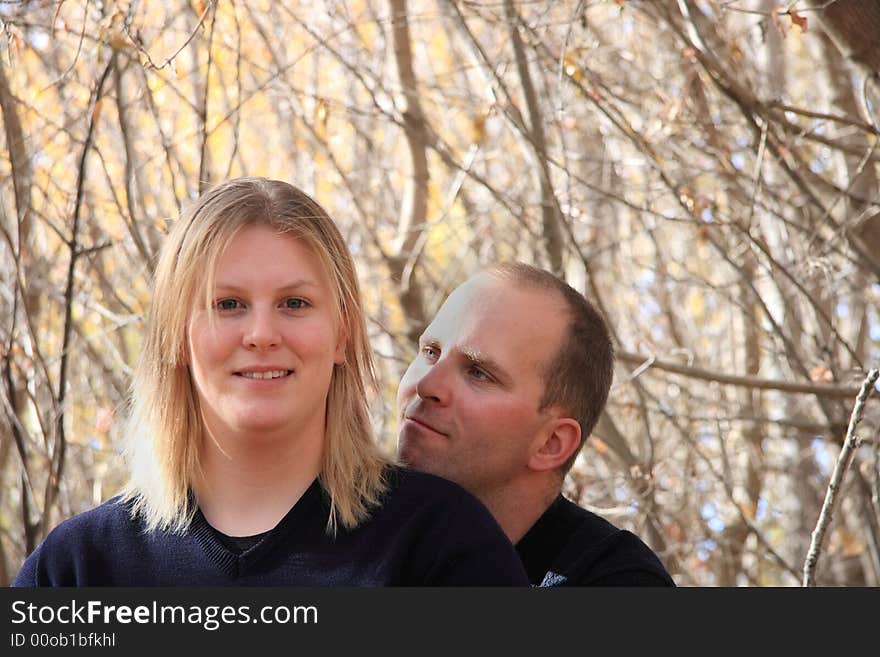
{"points": [[271, 374], [423, 424]]}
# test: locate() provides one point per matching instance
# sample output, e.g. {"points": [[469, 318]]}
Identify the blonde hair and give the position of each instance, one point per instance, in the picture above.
{"points": [[164, 429]]}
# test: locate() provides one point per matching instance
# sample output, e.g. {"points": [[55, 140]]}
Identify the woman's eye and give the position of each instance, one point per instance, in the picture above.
{"points": [[226, 304], [295, 304]]}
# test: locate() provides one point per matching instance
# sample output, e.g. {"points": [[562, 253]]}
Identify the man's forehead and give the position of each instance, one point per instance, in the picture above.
{"points": [[486, 307]]}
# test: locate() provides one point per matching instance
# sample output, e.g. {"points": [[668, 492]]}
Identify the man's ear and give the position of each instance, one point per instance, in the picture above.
{"points": [[561, 439]]}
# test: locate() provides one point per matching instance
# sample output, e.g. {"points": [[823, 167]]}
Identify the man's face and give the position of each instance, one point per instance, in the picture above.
{"points": [[468, 403]]}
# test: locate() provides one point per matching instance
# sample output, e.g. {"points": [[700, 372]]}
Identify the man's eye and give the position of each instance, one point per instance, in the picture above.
{"points": [[227, 304], [479, 374], [295, 303], [430, 353]]}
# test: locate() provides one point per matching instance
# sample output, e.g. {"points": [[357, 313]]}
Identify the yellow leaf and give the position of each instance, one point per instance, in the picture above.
{"points": [[478, 128], [696, 305], [572, 69]]}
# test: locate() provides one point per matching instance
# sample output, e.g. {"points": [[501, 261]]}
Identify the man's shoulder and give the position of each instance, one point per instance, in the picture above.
{"points": [[591, 551], [585, 524]]}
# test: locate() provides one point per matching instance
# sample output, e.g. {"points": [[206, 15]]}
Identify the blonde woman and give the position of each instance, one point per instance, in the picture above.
{"points": [[251, 453]]}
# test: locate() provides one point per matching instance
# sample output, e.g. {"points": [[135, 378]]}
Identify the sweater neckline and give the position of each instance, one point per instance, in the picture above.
{"points": [[234, 564]]}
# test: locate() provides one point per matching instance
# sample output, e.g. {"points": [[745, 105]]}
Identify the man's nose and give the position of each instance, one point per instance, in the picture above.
{"points": [[262, 330], [434, 385]]}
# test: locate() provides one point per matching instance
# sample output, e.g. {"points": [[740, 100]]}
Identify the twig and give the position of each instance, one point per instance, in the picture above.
{"points": [[57, 456], [850, 443], [168, 60], [650, 362]]}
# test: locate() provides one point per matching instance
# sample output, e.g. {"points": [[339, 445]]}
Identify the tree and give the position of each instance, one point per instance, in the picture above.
{"points": [[705, 172]]}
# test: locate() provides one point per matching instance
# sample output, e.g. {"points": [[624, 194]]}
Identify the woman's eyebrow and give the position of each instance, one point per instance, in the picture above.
{"points": [[296, 284]]}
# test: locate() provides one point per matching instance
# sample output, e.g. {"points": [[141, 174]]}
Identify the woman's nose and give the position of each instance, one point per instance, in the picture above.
{"points": [[262, 330]]}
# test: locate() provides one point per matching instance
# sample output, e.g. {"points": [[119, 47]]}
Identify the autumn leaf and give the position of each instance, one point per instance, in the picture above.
{"points": [[748, 508], [599, 445], [821, 374], [104, 420], [478, 128], [572, 69], [797, 19], [96, 111], [320, 118]]}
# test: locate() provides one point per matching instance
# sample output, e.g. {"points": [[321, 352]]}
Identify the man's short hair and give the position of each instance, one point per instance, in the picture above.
{"points": [[578, 377]]}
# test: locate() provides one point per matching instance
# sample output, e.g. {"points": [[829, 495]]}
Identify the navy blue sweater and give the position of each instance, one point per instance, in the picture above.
{"points": [[427, 532]]}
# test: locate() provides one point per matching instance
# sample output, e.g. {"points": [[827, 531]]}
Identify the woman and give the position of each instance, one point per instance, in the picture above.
{"points": [[251, 453]]}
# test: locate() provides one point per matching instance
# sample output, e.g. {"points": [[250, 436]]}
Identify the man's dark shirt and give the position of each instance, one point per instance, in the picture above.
{"points": [[570, 546]]}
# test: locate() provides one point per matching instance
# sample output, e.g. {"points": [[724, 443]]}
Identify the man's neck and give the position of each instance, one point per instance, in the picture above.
{"points": [[517, 509]]}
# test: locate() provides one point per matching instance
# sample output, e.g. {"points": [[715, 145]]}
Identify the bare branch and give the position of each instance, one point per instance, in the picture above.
{"points": [[850, 443], [646, 363]]}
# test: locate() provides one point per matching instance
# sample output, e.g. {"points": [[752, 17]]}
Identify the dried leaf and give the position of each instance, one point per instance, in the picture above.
{"points": [[797, 19], [478, 128], [96, 112], [572, 69], [104, 420], [821, 374], [568, 123], [748, 508], [599, 445]]}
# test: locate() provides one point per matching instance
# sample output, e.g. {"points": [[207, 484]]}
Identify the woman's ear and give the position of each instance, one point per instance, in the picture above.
{"points": [[341, 344], [560, 439]]}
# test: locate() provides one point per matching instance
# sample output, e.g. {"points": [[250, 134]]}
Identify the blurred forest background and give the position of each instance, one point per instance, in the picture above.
{"points": [[706, 171]]}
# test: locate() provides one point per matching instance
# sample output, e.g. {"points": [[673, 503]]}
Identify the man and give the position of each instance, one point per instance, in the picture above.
{"points": [[510, 379]]}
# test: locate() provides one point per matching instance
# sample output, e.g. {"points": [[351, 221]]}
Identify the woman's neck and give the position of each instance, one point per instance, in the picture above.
{"points": [[249, 483]]}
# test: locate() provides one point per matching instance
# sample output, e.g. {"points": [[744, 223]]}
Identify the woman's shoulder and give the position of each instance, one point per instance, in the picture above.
{"points": [[403, 482], [431, 496], [74, 539], [446, 532], [112, 515]]}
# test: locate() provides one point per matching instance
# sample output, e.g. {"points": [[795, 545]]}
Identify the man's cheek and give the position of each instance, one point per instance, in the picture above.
{"points": [[407, 388]]}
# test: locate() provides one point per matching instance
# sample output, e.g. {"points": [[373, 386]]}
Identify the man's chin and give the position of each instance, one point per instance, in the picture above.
{"points": [[413, 457]]}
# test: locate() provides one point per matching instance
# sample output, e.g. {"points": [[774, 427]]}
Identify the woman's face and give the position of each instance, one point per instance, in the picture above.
{"points": [[263, 366]]}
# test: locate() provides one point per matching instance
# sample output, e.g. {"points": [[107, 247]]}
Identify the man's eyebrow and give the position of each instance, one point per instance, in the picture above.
{"points": [[481, 360]]}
